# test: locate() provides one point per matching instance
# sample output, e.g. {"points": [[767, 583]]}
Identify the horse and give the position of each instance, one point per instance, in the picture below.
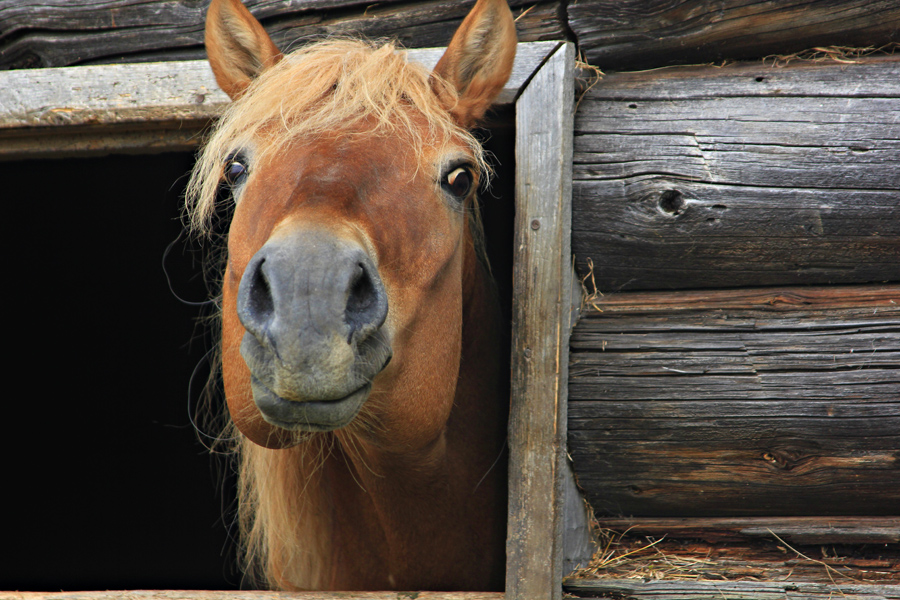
{"points": [[363, 356]]}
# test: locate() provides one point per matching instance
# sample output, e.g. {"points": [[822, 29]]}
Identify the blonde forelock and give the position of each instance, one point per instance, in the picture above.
{"points": [[327, 87]]}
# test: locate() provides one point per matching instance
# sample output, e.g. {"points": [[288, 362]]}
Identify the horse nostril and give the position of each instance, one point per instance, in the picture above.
{"points": [[255, 305], [362, 292], [366, 304]]}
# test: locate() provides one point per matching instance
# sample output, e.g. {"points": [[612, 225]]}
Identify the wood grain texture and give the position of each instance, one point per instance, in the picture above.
{"points": [[621, 35], [60, 33], [661, 556], [805, 531], [739, 403], [631, 589], [744, 175], [143, 107], [540, 330]]}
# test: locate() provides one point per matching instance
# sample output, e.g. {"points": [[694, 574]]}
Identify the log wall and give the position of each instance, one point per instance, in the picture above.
{"points": [[56, 33], [778, 402], [613, 34], [744, 175], [641, 34], [717, 395]]}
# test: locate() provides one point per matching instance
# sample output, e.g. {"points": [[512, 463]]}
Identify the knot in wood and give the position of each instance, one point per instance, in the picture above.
{"points": [[784, 460], [671, 202]]}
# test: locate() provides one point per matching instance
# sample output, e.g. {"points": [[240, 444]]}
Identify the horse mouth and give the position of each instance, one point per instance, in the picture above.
{"points": [[311, 415]]}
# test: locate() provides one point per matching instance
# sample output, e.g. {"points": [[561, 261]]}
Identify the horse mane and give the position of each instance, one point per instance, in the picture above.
{"points": [[333, 86]]}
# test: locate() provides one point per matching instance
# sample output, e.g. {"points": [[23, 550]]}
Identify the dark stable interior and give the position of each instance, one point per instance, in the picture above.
{"points": [[108, 486], [108, 483]]}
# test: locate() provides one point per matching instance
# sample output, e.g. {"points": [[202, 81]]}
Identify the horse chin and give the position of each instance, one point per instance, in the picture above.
{"points": [[308, 415]]}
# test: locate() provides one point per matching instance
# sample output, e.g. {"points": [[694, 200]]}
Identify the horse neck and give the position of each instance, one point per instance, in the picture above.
{"points": [[433, 511]]}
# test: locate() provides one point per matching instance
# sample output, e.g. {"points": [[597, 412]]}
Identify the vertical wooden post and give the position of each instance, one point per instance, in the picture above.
{"points": [[541, 322]]}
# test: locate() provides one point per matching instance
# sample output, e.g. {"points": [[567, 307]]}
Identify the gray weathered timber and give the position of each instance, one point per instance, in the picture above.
{"points": [[779, 402], [143, 107], [793, 530], [621, 35], [742, 175], [636, 589], [540, 330], [97, 110], [59, 33]]}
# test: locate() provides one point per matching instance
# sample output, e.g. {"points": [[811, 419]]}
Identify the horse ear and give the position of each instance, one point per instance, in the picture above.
{"points": [[237, 46], [479, 59]]}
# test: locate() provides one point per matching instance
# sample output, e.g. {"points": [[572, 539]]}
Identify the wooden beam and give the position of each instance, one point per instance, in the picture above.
{"points": [[697, 549], [540, 330], [631, 589], [145, 107], [746, 175], [795, 530], [654, 556], [42, 34], [726, 403], [621, 35]]}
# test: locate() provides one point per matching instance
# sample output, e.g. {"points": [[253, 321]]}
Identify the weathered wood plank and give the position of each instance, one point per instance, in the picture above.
{"points": [[649, 553], [60, 33], [143, 107], [540, 330], [802, 302], [635, 589], [165, 91], [860, 78], [794, 530], [745, 175], [642, 34], [744, 402]]}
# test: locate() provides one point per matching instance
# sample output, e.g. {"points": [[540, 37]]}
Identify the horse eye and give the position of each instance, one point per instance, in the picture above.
{"points": [[459, 182], [235, 171]]}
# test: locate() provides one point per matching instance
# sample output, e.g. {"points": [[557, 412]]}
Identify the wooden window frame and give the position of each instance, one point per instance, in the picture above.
{"points": [[157, 107]]}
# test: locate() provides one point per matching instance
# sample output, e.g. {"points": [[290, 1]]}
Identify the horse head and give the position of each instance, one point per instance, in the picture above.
{"points": [[353, 175]]}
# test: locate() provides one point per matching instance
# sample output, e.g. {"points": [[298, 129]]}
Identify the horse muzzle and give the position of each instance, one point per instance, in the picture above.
{"points": [[313, 306]]}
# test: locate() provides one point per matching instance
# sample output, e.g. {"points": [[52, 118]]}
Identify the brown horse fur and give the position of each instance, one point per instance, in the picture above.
{"points": [[347, 141]]}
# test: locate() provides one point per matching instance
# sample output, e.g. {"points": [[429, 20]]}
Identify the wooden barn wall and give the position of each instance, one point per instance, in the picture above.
{"points": [[743, 175], [747, 402], [642, 34], [717, 394]]}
